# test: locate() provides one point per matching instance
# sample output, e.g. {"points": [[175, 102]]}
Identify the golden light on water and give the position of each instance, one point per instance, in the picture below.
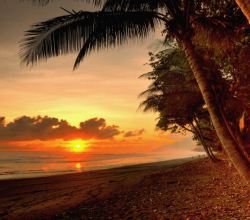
{"points": [[78, 166]]}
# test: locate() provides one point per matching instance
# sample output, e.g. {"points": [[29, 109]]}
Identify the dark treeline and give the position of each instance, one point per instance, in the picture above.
{"points": [[174, 93]]}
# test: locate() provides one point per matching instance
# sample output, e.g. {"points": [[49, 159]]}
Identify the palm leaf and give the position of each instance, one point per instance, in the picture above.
{"points": [[132, 5], [85, 31], [152, 103], [117, 28], [214, 33], [46, 2]]}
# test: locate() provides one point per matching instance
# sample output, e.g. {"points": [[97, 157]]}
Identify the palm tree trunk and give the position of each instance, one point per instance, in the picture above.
{"points": [[245, 8], [202, 142], [210, 152], [228, 143], [235, 134]]}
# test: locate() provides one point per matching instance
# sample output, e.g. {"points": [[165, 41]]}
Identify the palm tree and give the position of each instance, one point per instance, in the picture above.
{"points": [[175, 95], [245, 8], [119, 21]]}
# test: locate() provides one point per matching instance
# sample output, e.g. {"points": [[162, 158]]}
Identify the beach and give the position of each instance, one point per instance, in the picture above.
{"points": [[180, 189]]}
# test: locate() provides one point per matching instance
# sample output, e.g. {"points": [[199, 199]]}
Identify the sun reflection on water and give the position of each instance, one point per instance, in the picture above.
{"points": [[78, 166]]}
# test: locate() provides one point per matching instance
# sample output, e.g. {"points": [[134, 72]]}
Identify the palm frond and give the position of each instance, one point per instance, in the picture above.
{"points": [[46, 2], [117, 28], [152, 103], [57, 36], [85, 31], [214, 33], [151, 91], [132, 5], [148, 75]]}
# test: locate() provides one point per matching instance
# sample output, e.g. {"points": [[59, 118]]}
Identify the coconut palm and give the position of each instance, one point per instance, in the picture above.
{"points": [[119, 21], [174, 94]]}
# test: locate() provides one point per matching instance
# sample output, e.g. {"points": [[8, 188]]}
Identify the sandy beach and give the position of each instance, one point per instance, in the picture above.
{"points": [[163, 190]]}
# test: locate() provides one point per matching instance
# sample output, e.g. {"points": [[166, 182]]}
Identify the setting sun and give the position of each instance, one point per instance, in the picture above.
{"points": [[78, 146]]}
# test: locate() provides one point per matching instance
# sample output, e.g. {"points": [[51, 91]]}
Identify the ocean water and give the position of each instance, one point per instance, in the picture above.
{"points": [[15, 165]]}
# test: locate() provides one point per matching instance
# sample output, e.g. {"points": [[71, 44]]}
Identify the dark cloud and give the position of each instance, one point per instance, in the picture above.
{"points": [[97, 128], [48, 128], [134, 133]]}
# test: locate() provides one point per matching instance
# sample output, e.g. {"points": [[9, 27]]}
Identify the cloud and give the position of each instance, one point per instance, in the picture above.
{"points": [[97, 128], [49, 128], [134, 133]]}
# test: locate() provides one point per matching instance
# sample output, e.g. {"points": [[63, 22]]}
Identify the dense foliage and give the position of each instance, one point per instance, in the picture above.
{"points": [[175, 95]]}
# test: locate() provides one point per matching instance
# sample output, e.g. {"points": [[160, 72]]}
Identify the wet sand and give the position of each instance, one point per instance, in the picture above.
{"points": [[193, 190]]}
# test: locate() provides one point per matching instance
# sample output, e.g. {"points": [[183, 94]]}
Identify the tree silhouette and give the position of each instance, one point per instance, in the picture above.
{"points": [[175, 95]]}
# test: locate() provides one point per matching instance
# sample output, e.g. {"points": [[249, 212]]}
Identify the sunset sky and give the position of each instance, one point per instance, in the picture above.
{"points": [[92, 109]]}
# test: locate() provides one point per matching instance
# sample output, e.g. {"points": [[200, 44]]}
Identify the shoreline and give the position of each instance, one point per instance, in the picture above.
{"points": [[52, 191], [99, 168], [149, 191]]}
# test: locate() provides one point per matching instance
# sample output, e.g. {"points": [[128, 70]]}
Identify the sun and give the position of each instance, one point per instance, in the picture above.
{"points": [[78, 146]]}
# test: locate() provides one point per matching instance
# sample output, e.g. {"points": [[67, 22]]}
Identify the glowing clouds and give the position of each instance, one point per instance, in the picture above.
{"points": [[135, 133], [44, 132], [98, 129], [48, 128]]}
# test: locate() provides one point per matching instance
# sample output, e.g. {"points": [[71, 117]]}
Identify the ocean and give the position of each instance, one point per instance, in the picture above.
{"points": [[14, 165]]}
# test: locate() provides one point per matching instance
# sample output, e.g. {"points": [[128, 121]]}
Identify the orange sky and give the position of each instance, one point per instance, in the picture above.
{"points": [[105, 86]]}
